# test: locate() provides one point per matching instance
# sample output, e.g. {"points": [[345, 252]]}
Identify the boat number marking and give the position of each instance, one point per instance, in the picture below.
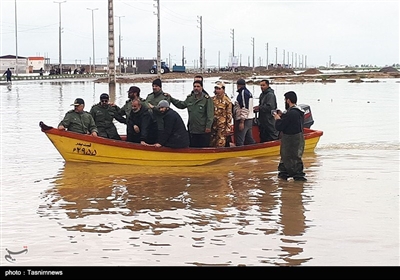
{"points": [[84, 149]]}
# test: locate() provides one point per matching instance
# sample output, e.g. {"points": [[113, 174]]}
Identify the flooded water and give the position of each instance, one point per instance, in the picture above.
{"points": [[232, 213]]}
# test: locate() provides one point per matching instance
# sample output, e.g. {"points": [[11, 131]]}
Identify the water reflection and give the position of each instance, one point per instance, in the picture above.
{"points": [[293, 223], [212, 205]]}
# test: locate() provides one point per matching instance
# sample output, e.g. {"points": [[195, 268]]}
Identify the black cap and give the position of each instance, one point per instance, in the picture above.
{"points": [[198, 82], [157, 82], [78, 101], [134, 89], [241, 82], [104, 96]]}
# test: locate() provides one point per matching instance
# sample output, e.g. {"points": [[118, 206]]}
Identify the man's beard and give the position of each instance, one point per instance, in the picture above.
{"points": [[286, 105]]}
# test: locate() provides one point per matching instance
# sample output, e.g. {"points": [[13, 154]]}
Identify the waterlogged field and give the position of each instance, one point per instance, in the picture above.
{"points": [[233, 213]]}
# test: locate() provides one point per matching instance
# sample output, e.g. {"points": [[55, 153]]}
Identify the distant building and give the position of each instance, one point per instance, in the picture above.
{"points": [[26, 65], [10, 61], [35, 63], [137, 65]]}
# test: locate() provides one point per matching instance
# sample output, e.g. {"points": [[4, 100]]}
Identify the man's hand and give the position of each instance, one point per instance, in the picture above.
{"points": [[145, 144], [208, 130], [94, 133], [61, 127], [157, 145], [136, 128], [241, 125], [277, 116]]}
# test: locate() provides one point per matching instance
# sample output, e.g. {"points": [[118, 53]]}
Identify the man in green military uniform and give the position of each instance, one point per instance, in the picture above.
{"points": [[154, 98], [133, 93], [104, 114], [78, 120], [201, 115], [157, 95]]}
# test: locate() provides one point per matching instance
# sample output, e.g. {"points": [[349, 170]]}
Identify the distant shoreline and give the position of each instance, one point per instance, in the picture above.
{"points": [[276, 76], [254, 78]]}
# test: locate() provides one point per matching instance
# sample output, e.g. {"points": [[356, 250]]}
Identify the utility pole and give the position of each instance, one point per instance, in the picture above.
{"points": [[204, 59], [94, 63], [292, 61], [59, 35], [16, 40], [158, 39], [111, 55], [283, 60], [287, 55], [119, 45], [266, 62], [252, 43], [200, 20], [183, 56], [219, 66], [233, 48], [233, 42], [276, 56]]}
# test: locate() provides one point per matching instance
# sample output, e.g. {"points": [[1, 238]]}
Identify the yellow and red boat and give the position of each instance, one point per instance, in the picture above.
{"points": [[77, 147]]}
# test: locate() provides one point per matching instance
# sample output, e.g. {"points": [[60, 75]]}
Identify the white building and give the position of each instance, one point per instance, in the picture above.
{"points": [[10, 61], [35, 63], [26, 65]]}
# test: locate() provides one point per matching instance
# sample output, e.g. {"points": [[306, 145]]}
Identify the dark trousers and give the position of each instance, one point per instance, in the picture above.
{"points": [[200, 140], [268, 134], [291, 150], [245, 136]]}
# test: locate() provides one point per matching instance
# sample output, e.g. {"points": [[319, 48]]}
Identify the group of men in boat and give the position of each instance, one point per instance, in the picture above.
{"points": [[152, 122]]}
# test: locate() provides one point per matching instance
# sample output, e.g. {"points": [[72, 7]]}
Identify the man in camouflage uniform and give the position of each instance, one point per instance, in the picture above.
{"points": [[78, 120], [201, 115], [104, 114], [222, 116]]}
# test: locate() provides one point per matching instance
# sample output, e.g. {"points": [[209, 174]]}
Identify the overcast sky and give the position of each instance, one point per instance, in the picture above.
{"points": [[343, 32]]}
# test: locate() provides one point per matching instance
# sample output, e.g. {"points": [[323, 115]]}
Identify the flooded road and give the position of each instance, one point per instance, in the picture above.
{"points": [[234, 212]]}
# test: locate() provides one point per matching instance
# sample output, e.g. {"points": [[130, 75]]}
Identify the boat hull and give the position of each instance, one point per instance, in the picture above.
{"points": [[75, 147]]}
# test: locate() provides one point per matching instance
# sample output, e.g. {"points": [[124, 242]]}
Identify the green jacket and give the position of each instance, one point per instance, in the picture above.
{"points": [[154, 99], [200, 111], [104, 117], [79, 122]]}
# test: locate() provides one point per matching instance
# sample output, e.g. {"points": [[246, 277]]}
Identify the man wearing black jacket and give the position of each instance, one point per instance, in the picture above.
{"points": [[267, 103], [291, 124], [174, 134], [141, 126]]}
